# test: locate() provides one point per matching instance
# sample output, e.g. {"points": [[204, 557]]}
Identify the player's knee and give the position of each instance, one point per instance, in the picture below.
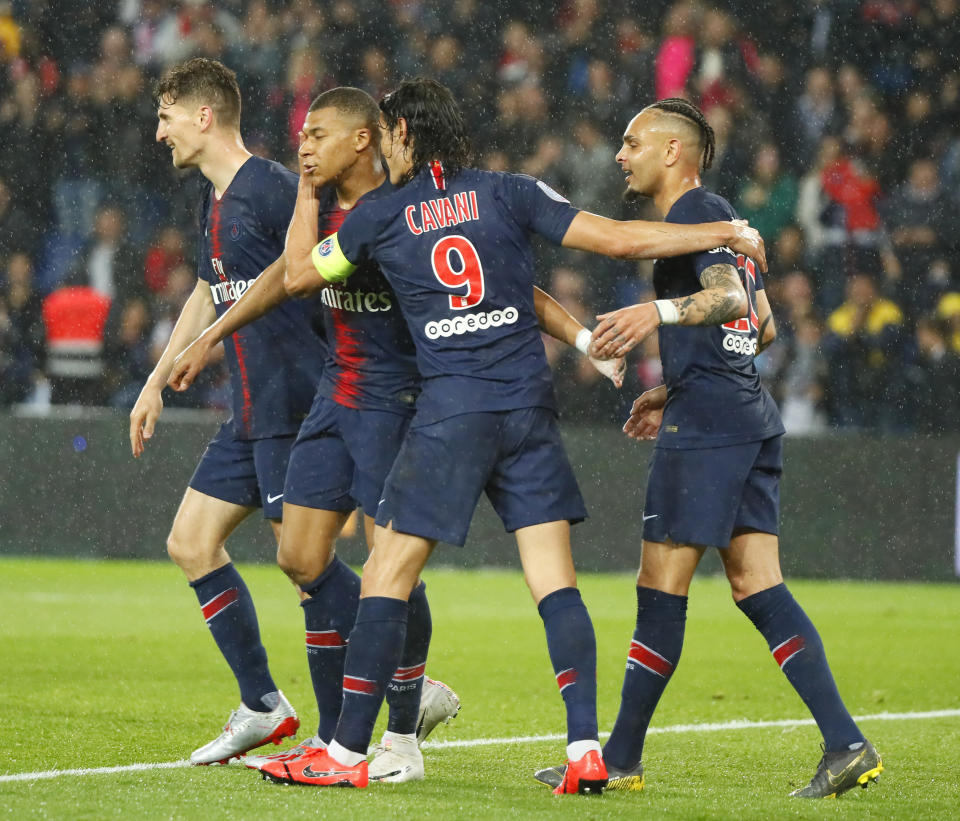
{"points": [[194, 555], [374, 572], [302, 566], [747, 585], [675, 584], [180, 550], [385, 573], [284, 560], [290, 562], [542, 584], [745, 581], [738, 585]]}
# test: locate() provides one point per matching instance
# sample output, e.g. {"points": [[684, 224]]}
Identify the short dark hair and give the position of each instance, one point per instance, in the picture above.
{"points": [[687, 110], [205, 81], [352, 102], [435, 122]]}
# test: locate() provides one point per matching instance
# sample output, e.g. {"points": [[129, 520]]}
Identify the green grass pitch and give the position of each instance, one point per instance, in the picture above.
{"points": [[109, 664]]}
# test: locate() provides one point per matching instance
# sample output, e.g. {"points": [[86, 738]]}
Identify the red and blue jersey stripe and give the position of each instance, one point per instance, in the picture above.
{"points": [[274, 362], [371, 364]]}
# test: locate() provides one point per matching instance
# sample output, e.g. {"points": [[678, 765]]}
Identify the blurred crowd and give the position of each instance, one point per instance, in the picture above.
{"points": [[837, 137]]}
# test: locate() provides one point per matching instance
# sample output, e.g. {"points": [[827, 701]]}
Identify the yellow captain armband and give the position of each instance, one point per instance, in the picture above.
{"points": [[329, 260]]}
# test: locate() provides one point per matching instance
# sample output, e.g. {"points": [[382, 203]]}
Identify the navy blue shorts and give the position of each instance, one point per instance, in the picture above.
{"points": [[516, 456], [244, 472], [342, 457], [701, 497]]}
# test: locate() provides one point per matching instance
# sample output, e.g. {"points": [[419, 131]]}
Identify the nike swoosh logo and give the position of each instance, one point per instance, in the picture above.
{"points": [[651, 516], [387, 775], [272, 499], [309, 772], [834, 780]]}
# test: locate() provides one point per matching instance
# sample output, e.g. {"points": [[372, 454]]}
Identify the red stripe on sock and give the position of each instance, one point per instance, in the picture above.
{"points": [[566, 677], [649, 659], [359, 685], [785, 651], [219, 602], [325, 638], [409, 673]]}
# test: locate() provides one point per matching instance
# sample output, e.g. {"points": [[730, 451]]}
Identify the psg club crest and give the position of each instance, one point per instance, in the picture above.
{"points": [[326, 247], [235, 230]]}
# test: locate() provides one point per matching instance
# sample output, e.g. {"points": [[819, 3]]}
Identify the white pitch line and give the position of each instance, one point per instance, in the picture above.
{"points": [[126, 768], [739, 724]]}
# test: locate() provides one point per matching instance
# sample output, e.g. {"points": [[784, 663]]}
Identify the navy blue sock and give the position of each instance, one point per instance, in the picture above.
{"points": [[406, 686], [573, 652], [651, 660], [232, 620], [329, 615], [373, 655], [797, 648]]}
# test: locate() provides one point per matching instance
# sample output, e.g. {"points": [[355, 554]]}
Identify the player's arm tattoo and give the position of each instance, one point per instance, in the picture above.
{"points": [[761, 345], [721, 300]]}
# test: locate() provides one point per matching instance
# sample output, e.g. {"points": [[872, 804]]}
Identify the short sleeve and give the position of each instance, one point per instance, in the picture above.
{"points": [[329, 260], [356, 235], [537, 207], [693, 210], [276, 201]]}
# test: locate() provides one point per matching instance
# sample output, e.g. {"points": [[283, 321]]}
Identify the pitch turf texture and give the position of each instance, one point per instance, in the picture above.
{"points": [[108, 664]]}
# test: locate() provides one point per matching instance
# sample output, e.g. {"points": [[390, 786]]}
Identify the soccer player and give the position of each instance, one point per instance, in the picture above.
{"points": [[714, 474], [274, 366], [454, 244], [348, 442]]}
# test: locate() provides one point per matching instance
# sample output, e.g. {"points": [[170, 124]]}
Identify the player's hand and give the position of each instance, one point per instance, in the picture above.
{"points": [[143, 418], [747, 241], [646, 414], [613, 369], [307, 187], [187, 366], [311, 180], [620, 331]]}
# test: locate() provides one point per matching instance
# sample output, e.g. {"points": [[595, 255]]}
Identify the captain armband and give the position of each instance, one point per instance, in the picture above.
{"points": [[330, 261]]}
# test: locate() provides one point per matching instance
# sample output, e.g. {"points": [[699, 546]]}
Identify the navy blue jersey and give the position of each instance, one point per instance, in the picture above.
{"points": [[275, 361], [371, 363], [714, 395], [457, 253]]}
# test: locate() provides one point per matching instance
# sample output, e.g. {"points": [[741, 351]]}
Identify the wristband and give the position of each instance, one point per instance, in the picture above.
{"points": [[583, 340], [669, 315]]}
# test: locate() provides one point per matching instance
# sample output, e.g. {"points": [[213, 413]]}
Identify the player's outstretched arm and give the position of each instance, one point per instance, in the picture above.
{"points": [[721, 300], [638, 239], [646, 414], [562, 325], [768, 329], [197, 313], [266, 293]]}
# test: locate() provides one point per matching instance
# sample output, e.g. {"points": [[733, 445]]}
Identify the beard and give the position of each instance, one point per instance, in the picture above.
{"points": [[630, 196]]}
